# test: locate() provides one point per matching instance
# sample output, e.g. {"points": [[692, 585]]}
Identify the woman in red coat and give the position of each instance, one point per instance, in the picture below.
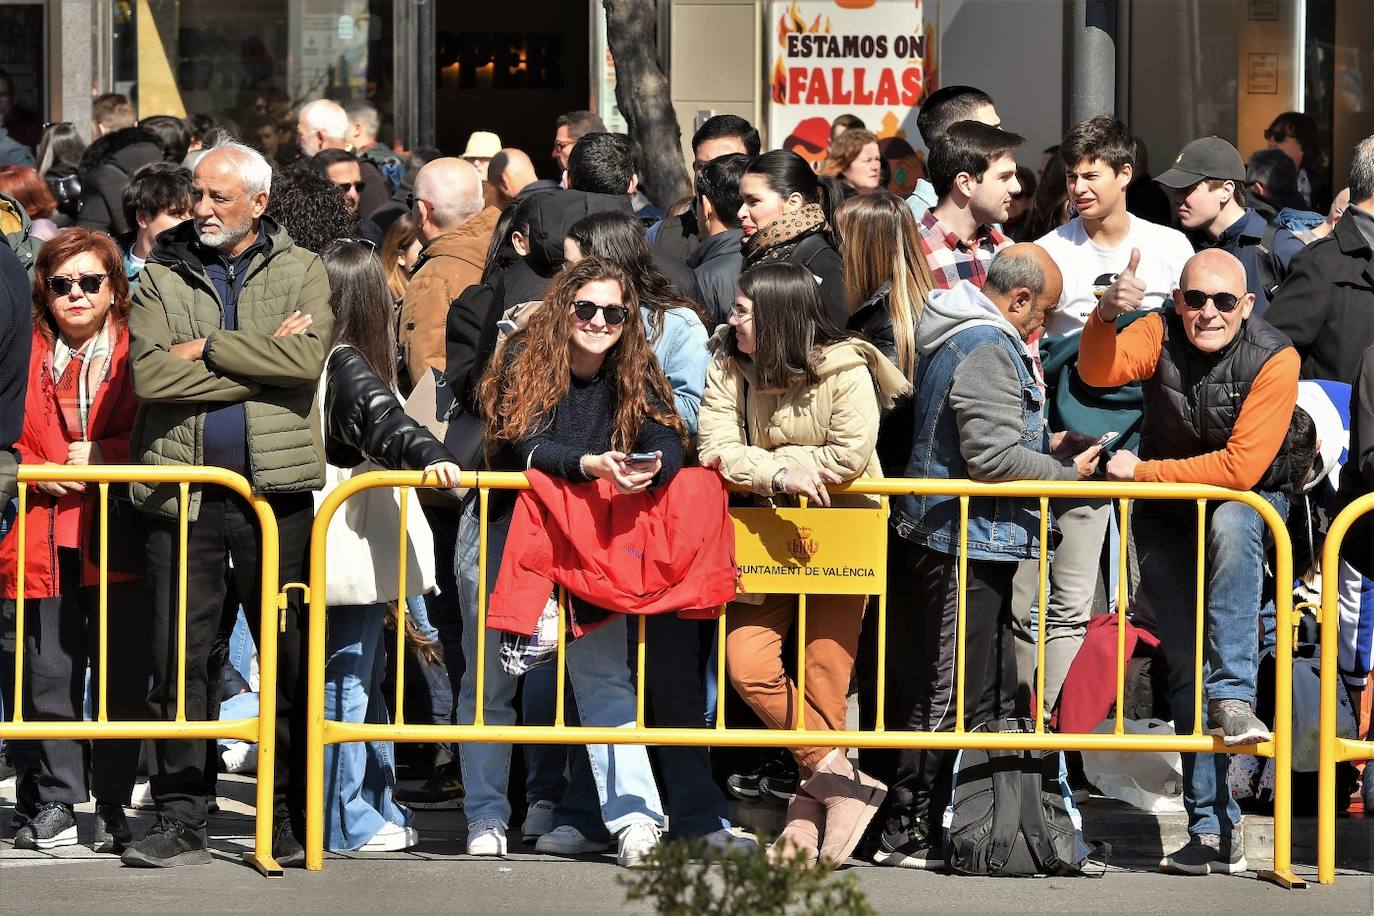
{"points": [[79, 410]]}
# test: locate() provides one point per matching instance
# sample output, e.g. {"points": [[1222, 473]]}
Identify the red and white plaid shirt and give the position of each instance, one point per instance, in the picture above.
{"points": [[951, 260]]}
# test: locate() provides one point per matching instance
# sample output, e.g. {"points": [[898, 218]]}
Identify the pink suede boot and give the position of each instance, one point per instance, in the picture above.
{"points": [[805, 819], [850, 798]]}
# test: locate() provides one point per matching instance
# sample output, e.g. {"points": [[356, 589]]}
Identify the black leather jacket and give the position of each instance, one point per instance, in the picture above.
{"points": [[363, 419]]}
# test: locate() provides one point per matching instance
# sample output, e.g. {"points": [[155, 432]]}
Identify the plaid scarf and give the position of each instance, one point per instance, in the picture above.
{"points": [[77, 374]]}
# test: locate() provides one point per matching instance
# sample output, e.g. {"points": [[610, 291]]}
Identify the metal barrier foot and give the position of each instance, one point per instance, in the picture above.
{"points": [[1284, 879], [266, 865]]}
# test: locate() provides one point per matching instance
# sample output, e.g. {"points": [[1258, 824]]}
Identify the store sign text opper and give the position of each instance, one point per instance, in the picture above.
{"points": [[869, 58]]}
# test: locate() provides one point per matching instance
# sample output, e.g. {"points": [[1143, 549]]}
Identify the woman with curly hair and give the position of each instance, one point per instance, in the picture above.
{"points": [[575, 395]]}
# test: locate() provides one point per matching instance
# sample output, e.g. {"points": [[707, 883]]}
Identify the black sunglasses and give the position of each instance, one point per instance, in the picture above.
{"points": [[1278, 136], [89, 283], [355, 185], [1196, 300], [614, 314]]}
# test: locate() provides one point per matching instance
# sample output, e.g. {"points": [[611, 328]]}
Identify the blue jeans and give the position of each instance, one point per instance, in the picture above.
{"points": [[600, 677], [358, 777], [1166, 541], [546, 764]]}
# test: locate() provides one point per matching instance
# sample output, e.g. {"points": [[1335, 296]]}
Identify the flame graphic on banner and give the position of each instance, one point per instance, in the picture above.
{"points": [[789, 22]]}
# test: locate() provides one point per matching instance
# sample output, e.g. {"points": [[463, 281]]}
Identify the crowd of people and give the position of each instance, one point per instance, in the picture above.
{"points": [[185, 293]]}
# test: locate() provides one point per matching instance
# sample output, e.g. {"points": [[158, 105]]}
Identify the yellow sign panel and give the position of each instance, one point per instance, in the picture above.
{"points": [[815, 551]]}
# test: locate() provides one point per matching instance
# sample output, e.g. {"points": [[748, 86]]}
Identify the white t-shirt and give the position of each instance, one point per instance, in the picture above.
{"points": [[1089, 269]]}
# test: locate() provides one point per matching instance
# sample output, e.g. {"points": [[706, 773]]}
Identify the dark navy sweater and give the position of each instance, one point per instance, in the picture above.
{"points": [[226, 428]]}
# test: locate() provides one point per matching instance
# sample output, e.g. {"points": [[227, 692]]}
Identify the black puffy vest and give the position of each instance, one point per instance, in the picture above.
{"points": [[1193, 399]]}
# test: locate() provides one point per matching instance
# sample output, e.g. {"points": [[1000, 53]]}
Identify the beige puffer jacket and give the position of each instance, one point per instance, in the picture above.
{"points": [[750, 434]]}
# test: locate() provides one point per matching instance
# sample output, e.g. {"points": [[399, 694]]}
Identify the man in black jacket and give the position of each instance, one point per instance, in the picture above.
{"points": [[106, 168], [718, 260], [1326, 306], [679, 236]]}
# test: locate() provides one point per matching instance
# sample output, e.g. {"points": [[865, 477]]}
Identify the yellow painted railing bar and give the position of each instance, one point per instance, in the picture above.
{"points": [[183, 537], [22, 560], [721, 683], [641, 679], [1283, 704], [402, 612], [122, 729], [479, 705], [961, 628], [1200, 648], [102, 708], [1042, 573], [561, 659], [261, 857]]}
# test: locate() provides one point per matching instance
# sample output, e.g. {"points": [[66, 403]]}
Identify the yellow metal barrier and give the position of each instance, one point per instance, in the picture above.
{"points": [[261, 729], [780, 551], [1333, 748]]}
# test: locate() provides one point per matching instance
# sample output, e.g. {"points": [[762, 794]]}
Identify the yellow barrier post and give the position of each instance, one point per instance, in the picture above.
{"points": [[816, 551], [261, 729]]}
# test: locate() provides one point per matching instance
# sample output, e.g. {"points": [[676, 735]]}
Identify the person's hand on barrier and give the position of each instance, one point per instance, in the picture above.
{"points": [[84, 453], [447, 472], [612, 468], [295, 323], [810, 482], [1086, 460], [1067, 443], [58, 489], [190, 350], [1122, 466], [1125, 295]]}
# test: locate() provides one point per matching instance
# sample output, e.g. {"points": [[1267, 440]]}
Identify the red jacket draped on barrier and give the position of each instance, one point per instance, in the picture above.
{"points": [[660, 551], [44, 440]]}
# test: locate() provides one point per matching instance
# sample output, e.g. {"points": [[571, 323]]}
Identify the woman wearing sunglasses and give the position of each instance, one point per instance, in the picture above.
{"points": [[1296, 134], [578, 395], [792, 406], [79, 410]]}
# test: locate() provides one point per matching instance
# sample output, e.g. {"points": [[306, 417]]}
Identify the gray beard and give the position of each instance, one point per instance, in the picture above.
{"points": [[225, 238]]}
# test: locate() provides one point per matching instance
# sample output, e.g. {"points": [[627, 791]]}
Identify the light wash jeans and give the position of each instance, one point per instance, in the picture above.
{"points": [[600, 676], [359, 776], [1165, 536]]}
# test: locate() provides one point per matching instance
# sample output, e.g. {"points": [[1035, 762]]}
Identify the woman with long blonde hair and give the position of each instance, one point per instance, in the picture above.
{"points": [[887, 279]]}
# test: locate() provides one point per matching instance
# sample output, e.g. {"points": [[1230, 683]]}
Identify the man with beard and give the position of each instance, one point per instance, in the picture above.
{"points": [[227, 339]]}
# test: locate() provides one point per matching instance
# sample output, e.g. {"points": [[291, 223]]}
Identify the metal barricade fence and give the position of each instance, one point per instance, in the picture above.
{"points": [[801, 551], [1332, 748], [260, 729]]}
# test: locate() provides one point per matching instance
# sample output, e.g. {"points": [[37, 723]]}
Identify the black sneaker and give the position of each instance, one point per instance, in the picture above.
{"points": [[909, 849], [1206, 854], [444, 789], [112, 833], [168, 843], [750, 786], [54, 825], [286, 849], [781, 785]]}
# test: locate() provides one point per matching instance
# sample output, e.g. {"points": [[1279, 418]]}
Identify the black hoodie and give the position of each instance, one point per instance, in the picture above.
{"points": [[105, 171]]}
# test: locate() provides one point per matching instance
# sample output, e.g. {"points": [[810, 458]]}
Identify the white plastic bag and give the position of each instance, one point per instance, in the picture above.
{"points": [[1149, 780]]}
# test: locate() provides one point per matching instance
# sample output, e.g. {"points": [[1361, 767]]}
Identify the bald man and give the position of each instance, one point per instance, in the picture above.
{"points": [[455, 227], [1220, 385], [976, 415], [512, 174]]}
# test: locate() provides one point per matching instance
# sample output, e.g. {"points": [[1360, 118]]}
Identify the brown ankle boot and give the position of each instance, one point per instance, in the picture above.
{"points": [[805, 820], [851, 799]]}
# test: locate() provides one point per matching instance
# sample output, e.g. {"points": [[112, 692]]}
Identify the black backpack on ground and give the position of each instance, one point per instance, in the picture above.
{"points": [[1011, 813]]}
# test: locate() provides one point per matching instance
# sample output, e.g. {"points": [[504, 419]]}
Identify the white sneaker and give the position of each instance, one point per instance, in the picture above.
{"points": [[142, 798], [568, 841], [240, 757], [392, 838], [636, 842], [538, 821], [487, 837], [726, 839]]}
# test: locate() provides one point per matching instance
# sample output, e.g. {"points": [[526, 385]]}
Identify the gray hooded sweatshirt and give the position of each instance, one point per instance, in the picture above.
{"points": [[986, 391]]}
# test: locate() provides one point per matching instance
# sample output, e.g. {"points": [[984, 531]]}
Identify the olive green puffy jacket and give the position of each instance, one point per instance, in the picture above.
{"points": [[274, 377]]}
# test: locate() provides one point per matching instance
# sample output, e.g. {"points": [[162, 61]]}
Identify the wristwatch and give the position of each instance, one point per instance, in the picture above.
{"points": [[776, 484]]}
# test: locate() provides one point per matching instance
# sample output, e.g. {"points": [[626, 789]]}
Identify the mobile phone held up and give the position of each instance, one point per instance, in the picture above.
{"points": [[641, 458], [1107, 437]]}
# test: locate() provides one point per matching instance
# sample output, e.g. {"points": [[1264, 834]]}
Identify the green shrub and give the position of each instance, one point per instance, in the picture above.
{"points": [[691, 877]]}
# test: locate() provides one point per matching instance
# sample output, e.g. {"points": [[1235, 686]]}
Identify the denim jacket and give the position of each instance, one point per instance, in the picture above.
{"points": [[681, 352], [999, 528]]}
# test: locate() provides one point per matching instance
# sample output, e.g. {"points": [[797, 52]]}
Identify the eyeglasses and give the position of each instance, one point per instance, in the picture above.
{"points": [[89, 284], [614, 314], [1278, 136], [355, 185], [560, 145], [740, 314], [1196, 300]]}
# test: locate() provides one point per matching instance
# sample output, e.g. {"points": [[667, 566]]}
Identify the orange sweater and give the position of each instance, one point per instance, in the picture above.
{"points": [[1107, 359]]}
